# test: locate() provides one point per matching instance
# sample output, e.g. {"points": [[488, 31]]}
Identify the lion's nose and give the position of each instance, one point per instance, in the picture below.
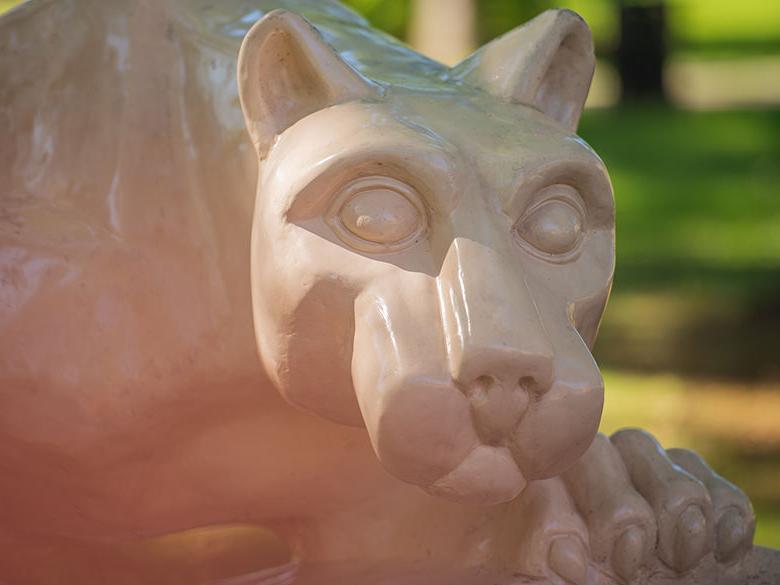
{"points": [[499, 353]]}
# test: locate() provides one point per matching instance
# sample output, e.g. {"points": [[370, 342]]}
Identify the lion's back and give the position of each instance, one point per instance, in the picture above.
{"points": [[126, 196]]}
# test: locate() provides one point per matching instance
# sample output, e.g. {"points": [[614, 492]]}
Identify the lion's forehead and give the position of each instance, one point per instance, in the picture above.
{"points": [[495, 135], [465, 132]]}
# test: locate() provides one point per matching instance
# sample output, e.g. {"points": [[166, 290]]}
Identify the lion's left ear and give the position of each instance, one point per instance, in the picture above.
{"points": [[547, 63], [286, 71]]}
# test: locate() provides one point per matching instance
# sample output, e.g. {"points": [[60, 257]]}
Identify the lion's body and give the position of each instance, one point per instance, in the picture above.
{"points": [[127, 186]]}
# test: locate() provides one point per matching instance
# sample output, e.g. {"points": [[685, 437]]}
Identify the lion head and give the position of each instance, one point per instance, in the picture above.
{"points": [[431, 257]]}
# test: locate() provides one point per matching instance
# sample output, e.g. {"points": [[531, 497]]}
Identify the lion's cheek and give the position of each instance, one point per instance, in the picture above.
{"points": [[418, 421]]}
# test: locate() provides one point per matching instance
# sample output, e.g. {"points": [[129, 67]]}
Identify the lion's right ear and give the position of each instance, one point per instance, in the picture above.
{"points": [[547, 64], [287, 71]]}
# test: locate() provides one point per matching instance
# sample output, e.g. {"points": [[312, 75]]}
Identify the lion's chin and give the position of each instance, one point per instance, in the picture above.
{"points": [[488, 475]]}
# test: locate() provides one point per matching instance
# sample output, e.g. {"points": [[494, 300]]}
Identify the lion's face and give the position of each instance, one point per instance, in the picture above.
{"points": [[439, 284], [432, 261]]}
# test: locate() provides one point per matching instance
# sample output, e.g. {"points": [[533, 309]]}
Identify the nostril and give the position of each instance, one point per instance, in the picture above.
{"points": [[496, 407], [528, 383], [479, 389]]}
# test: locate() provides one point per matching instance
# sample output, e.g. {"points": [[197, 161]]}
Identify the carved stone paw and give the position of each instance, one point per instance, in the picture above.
{"points": [[627, 510]]}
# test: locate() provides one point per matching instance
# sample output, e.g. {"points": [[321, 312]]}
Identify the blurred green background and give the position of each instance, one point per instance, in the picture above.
{"points": [[685, 112]]}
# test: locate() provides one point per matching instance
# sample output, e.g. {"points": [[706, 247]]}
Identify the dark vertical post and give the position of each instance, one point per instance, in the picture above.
{"points": [[641, 52]]}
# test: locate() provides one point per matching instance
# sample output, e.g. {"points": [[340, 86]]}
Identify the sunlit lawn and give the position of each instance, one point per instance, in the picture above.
{"points": [[697, 286], [695, 187]]}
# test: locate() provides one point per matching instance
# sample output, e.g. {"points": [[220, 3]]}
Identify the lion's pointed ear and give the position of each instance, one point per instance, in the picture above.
{"points": [[287, 71], [547, 63]]}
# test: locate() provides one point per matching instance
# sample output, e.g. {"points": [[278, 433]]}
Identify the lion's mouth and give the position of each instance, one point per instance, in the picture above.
{"points": [[426, 432], [488, 475]]}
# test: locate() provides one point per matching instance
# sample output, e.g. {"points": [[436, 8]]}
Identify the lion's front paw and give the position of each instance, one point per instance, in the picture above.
{"points": [[628, 508], [671, 501]]}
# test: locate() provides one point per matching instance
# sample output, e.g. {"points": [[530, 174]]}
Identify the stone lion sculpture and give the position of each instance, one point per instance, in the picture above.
{"points": [[349, 295]]}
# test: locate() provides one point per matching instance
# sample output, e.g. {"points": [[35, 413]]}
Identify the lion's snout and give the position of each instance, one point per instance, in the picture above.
{"points": [[498, 352], [447, 369], [491, 323]]}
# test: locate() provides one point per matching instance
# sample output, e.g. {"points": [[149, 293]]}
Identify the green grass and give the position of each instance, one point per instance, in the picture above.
{"points": [[704, 22], [697, 284], [693, 187]]}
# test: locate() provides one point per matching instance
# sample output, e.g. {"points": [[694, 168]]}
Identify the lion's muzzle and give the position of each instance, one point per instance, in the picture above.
{"points": [[447, 369]]}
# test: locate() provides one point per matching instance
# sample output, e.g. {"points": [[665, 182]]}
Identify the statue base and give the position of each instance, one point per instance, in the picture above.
{"points": [[760, 567]]}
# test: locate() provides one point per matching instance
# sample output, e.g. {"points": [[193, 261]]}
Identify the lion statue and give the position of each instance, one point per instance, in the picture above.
{"points": [[324, 285]]}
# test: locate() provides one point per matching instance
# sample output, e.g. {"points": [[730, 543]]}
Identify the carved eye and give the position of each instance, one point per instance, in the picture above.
{"points": [[378, 214], [553, 227]]}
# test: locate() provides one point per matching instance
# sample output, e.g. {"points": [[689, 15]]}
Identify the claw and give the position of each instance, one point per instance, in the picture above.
{"points": [[731, 536], [629, 552], [691, 538], [735, 522], [568, 560]]}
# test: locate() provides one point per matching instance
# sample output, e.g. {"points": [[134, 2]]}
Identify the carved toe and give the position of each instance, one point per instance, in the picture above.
{"points": [[731, 534], [629, 553], [691, 538], [569, 560]]}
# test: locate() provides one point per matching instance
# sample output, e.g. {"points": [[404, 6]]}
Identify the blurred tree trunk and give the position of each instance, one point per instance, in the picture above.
{"points": [[641, 53], [443, 29]]}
